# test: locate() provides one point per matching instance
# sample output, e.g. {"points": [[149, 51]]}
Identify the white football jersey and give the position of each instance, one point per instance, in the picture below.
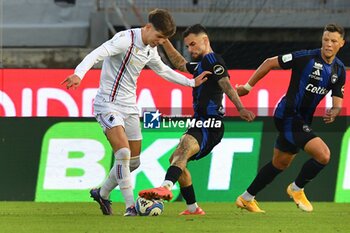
{"points": [[124, 56]]}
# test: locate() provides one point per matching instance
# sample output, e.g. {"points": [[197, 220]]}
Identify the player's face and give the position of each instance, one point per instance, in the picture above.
{"points": [[331, 43], [196, 45], [154, 37]]}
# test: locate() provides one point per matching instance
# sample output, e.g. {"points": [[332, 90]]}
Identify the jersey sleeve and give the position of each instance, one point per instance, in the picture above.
{"points": [[118, 44], [191, 67], [215, 64], [286, 60], [338, 87], [294, 59]]}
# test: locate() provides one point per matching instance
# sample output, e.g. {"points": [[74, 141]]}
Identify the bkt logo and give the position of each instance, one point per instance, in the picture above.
{"points": [[151, 119]]}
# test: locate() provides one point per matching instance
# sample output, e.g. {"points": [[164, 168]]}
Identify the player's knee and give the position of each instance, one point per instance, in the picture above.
{"points": [[134, 163], [324, 157], [281, 164], [122, 154]]}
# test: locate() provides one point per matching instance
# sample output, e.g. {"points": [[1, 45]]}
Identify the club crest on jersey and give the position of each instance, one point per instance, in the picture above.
{"points": [[111, 118], [218, 69], [334, 78], [306, 128]]}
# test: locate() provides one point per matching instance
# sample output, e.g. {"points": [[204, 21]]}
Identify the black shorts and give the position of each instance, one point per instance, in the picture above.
{"points": [[293, 135], [207, 138]]}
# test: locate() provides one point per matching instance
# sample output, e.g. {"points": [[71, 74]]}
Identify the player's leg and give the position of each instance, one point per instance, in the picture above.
{"points": [[120, 144], [283, 154], [187, 147], [187, 191], [133, 132], [320, 154], [280, 161], [101, 195], [305, 138]]}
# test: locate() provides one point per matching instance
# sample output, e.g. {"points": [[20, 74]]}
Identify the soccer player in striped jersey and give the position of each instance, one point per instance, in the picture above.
{"points": [[314, 74], [124, 56], [198, 141]]}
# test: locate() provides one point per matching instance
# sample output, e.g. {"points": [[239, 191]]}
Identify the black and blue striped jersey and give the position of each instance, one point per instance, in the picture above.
{"points": [[311, 79], [207, 98]]}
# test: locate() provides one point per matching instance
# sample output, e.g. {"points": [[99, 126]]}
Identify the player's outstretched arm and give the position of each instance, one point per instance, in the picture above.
{"points": [[333, 112], [72, 80], [263, 69], [233, 96], [175, 57]]}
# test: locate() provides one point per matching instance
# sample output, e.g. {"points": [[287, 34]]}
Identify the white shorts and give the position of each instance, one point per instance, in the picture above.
{"points": [[129, 121]]}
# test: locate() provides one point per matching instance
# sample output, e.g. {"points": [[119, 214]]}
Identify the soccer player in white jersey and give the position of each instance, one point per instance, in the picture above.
{"points": [[124, 56]]}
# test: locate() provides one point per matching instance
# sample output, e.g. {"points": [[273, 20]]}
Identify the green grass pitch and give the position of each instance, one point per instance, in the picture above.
{"points": [[221, 217]]}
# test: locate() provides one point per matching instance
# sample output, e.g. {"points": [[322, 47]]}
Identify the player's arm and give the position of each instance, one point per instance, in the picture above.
{"points": [[227, 88], [337, 99], [333, 112], [175, 57], [171, 75], [263, 69], [112, 47]]}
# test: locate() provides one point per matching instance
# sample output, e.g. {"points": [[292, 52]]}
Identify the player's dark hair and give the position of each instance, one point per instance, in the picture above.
{"points": [[195, 29], [333, 27], [162, 21]]}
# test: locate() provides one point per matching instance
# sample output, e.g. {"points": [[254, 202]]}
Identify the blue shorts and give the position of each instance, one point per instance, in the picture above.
{"points": [[207, 139], [293, 135]]}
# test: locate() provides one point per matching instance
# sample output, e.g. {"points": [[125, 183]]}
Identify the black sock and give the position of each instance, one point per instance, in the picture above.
{"points": [[309, 171], [188, 194], [173, 173], [264, 177]]}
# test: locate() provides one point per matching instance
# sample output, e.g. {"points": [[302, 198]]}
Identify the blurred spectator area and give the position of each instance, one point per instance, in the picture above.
{"points": [[63, 31]]}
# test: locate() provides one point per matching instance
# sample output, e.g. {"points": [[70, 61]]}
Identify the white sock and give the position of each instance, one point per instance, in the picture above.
{"points": [[295, 187], [168, 184], [247, 196], [109, 184], [122, 162], [192, 207]]}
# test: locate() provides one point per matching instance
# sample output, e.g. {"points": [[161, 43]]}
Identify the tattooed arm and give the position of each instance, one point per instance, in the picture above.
{"points": [[175, 57], [233, 96]]}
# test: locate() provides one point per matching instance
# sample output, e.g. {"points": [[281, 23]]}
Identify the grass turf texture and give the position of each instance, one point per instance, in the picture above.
{"points": [[221, 217]]}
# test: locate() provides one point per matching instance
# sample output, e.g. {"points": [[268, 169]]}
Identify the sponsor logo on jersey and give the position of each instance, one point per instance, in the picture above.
{"points": [[287, 57], [218, 69], [318, 66], [316, 90], [316, 73]]}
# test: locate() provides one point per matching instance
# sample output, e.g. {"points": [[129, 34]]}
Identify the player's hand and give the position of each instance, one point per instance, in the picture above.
{"points": [[246, 115], [201, 78], [72, 81], [330, 116], [241, 91]]}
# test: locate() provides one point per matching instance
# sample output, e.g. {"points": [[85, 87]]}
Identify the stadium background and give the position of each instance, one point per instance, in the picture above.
{"points": [[41, 39]]}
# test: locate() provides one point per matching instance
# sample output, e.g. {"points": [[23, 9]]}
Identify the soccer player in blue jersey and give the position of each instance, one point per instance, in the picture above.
{"points": [[198, 140], [314, 74]]}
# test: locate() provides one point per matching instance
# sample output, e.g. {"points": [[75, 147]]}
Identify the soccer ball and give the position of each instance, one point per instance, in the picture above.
{"points": [[146, 207]]}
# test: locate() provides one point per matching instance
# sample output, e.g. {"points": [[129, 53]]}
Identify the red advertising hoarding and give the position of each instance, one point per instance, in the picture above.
{"points": [[37, 92]]}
